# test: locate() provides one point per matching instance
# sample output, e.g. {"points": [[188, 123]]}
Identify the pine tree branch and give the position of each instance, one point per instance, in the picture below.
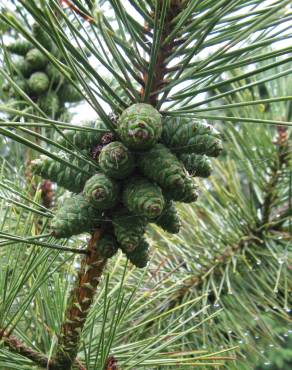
{"points": [[255, 236], [164, 51], [214, 267], [271, 194], [79, 303], [16, 346]]}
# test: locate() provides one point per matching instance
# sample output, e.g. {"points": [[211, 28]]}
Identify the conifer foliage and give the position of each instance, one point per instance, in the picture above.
{"points": [[154, 72]]}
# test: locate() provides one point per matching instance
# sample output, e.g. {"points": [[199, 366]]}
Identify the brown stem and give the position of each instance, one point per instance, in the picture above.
{"points": [[47, 194], [76, 10], [111, 363], [271, 193], [80, 300], [16, 346], [165, 50]]}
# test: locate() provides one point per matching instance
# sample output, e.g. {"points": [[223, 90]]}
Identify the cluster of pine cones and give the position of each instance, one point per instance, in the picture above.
{"points": [[139, 171], [37, 77]]}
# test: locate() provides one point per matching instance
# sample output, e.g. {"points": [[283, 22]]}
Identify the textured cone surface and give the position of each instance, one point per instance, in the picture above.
{"points": [[169, 219], [196, 165], [55, 76], [190, 191], [184, 135], [101, 191], [163, 167], [64, 176], [128, 229], [140, 126], [22, 67], [116, 161], [107, 246], [49, 103], [75, 216], [19, 47], [140, 256], [22, 84], [69, 94], [143, 198], [84, 139], [38, 83], [41, 36], [36, 59]]}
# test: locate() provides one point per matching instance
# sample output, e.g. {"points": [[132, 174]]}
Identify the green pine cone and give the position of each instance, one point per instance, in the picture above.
{"points": [[84, 139], [140, 256], [22, 67], [101, 191], [19, 47], [169, 219], [190, 194], [75, 216], [42, 37], [64, 176], [140, 126], [54, 74], [184, 135], [22, 84], [36, 59], [49, 103], [196, 165], [163, 167], [128, 229], [107, 246], [143, 198], [68, 94], [38, 83], [116, 161]]}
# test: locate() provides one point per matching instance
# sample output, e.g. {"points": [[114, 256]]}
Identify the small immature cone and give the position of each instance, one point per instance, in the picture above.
{"points": [[107, 246], [84, 139], [22, 84], [169, 219], [184, 135], [128, 229], [49, 103], [140, 256], [64, 176], [36, 59], [101, 191], [21, 66], [69, 94], [54, 74], [196, 165], [74, 217], [163, 167], [38, 83], [42, 37], [19, 47], [140, 126], [143, 198], [116, 161]]}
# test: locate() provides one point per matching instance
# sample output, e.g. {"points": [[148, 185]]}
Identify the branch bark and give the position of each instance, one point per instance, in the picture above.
{"points": [[165, 50], [16, 346], [79, 303]]}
